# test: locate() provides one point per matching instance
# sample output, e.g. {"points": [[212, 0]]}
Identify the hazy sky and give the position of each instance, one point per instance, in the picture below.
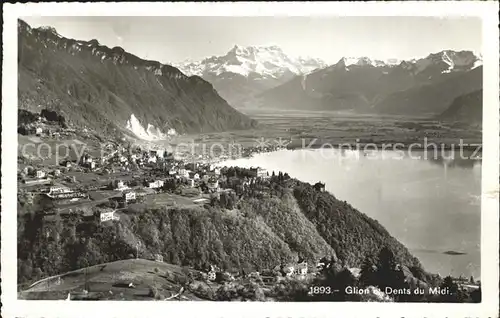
{"points": [[174, 39]]}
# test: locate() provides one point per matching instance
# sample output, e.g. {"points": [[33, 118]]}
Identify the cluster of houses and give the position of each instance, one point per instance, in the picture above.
{"points": [[212, 272], [42, 128], [38, 173], [193, 174], [297, 270], [293, 269], [160, 169], [126, 156], [207, 175], [248, 152]]}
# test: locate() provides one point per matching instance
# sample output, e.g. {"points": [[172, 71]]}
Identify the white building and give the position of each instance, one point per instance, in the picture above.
{"points": [[183, 173], [39, 131], [158, 258], [289, 269], [156, 184], [107, 216], [57, 190], [120, 186], [301, 269], [160, 153], [40, 174], [259, 172], [129, 196], [211, 275]]}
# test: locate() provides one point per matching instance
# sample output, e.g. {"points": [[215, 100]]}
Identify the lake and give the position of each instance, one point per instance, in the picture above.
{"points": [[432, 205]]}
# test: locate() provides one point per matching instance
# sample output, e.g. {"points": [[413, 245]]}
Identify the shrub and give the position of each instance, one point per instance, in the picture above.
{"points": [[290, 290], [204, 291], [154, 293], [226, 292]]}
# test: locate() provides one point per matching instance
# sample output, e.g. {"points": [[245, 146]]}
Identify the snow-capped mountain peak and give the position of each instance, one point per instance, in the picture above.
{"points": [[366, 61], [392, 62], [361, 61], [450, 60], [347, 62], [266, 61]]}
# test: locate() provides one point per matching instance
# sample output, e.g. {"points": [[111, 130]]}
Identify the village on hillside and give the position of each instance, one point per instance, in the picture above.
{"points": [[104, 189], [124, 175]]}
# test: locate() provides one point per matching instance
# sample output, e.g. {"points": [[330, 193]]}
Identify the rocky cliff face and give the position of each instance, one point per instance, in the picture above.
{"points": [[105, 89]]}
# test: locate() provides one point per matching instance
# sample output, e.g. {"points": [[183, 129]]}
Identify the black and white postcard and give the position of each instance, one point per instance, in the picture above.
{"points": [[248, 159]]}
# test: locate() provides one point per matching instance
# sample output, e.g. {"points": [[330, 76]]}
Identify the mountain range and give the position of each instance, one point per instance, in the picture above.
{"points": [[465, 108], [246, 71], [424, 86], [110, 90]]}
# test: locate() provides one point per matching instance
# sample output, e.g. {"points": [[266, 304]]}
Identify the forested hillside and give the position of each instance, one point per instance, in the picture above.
{"points": [[270, 223], [351, 233]]}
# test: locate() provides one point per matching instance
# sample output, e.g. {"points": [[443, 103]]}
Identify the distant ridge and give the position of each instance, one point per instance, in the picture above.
{"points": [[101, 88], [419, 87], [465, 108]]}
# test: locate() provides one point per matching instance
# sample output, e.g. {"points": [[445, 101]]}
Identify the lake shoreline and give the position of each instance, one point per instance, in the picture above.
{"points": [[429, 203], [387, 147]]}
